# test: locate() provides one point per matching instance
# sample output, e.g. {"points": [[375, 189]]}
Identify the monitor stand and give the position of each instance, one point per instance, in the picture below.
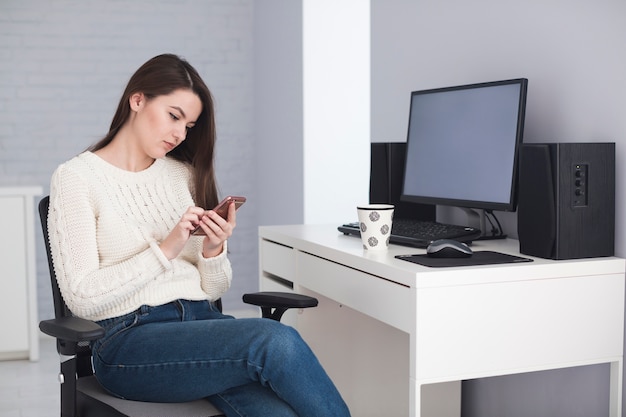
{"points": [[478, 218]]}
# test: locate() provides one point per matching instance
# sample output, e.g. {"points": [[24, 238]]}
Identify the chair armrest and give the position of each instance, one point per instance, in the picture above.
{"points": [[72, 329], [279, 299], [279, 302]]}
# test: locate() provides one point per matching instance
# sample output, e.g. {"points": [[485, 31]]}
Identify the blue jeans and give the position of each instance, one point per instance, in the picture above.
{"points": [[186, 350]]}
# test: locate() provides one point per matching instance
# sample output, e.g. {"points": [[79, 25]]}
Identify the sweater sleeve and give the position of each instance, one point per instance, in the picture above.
{"points": [[216, 273], [87, 288]]}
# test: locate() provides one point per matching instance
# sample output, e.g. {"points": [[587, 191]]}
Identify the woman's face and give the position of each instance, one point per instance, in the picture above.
{"points": [[161, 123]]}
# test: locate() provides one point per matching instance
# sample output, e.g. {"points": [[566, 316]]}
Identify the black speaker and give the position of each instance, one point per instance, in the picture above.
{"points": [[566, 200], [386, 178]]}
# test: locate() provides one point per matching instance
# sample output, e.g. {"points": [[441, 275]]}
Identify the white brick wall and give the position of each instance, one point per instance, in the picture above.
{"points": [[64, 63]]}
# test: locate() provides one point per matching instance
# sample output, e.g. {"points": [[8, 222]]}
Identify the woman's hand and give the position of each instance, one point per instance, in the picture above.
{"points": [[174, 243], [217, 230]]}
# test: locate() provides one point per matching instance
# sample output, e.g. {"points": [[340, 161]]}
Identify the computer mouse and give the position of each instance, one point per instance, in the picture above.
{"points": [[448, 248]]}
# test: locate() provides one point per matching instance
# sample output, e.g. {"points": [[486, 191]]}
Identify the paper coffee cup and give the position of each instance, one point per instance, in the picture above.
{"points": [[375, 225]]}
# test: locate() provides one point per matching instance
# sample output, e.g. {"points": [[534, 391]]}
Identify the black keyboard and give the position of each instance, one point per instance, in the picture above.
{"points": [[420, 233]]}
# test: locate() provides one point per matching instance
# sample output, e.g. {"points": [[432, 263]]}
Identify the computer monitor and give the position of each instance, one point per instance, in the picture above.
{"points": [[462, 145]]}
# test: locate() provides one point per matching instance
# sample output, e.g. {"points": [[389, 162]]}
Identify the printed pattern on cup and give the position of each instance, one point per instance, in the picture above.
{"points": [[372, 241]]}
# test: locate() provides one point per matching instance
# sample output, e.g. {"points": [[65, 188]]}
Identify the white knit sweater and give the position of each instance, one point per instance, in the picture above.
{"points": [[105, 225]]}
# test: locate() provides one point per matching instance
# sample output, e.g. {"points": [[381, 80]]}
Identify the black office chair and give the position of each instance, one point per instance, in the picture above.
{"points": [[82, 395]]}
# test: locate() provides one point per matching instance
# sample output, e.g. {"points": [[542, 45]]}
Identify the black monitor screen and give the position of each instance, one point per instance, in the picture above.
{"points": [[462, 145]]}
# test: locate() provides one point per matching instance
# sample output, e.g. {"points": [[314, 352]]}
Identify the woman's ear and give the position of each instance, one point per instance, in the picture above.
{"points": [[136, 100]]}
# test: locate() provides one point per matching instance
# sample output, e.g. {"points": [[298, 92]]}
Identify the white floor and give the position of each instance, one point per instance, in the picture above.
{"points": [[30, 389]]}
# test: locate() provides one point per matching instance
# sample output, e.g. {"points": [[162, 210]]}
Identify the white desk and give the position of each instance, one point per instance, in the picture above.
{"points": [[397, 338]]}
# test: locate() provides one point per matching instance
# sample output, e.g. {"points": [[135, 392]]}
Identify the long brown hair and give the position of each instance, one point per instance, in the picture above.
{"points": [[162, 75]]}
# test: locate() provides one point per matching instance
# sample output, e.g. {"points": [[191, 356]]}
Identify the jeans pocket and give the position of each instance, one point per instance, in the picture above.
{"points": [[113, 328]]}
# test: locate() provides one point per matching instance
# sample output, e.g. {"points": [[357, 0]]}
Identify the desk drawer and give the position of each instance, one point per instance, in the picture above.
{"points": [[278, 260], [523, 326], [369, 294]]}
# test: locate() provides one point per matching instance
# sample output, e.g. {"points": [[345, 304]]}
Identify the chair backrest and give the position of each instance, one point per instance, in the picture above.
{"points": [[60, 308]]}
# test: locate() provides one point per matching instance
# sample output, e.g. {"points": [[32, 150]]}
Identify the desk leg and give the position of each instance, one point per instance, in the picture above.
{"points": [[436, 400], [615, 396]]}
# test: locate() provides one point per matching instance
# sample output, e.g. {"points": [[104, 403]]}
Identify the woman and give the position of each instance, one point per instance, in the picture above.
{"points": [[120, 220]]}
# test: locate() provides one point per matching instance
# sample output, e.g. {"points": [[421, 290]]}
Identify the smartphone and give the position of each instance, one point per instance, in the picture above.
{"points": [[222, 210]]}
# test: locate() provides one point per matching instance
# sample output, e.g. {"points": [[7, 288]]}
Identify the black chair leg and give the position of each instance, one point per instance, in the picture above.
{"points": [[68, 387]]}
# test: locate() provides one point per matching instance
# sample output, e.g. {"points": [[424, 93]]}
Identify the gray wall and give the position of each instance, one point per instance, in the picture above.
{"points": [[64, 64], [572, 52], [278, 113]]}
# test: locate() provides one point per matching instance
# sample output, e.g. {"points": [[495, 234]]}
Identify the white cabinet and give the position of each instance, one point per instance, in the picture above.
{"points": [[18, 297]]}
